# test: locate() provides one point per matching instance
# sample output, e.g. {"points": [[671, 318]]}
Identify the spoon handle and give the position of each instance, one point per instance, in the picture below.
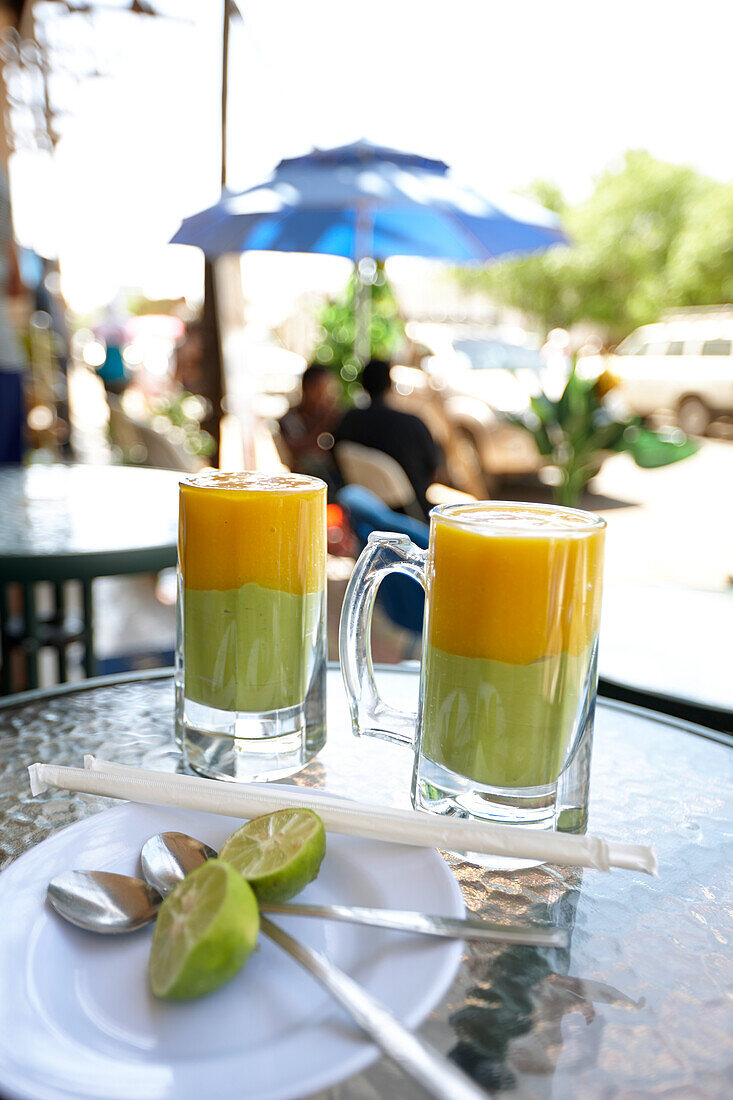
{"points": [[440, 1077], [404, 921]]}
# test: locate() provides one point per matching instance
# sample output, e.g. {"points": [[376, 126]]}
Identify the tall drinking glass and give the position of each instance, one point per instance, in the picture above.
{"points": [[509, 669], [251, 653]]}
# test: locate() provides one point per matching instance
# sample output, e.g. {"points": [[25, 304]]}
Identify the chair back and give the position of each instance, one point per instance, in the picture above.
{"points": [[376, 471], [401, 598]]}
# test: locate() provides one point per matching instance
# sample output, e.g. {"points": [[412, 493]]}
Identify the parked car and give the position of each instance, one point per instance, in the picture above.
{"points": [[462, 391], [683, 364]]}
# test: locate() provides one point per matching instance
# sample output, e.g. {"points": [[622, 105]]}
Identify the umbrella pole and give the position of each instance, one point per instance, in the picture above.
{"points": [[363, 242], [213, 353], [213, 360], [362, 320]]}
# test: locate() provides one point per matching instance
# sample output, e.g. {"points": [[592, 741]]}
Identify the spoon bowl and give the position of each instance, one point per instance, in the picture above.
{"points": [[167, 858], [100, 901]]}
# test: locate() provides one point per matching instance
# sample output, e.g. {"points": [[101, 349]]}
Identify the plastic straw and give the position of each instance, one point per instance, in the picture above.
{"points": [[339, 815]]}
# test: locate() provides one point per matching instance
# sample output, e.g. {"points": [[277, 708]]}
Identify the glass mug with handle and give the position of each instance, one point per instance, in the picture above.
{"points": [[508, 680], [251, 652]]}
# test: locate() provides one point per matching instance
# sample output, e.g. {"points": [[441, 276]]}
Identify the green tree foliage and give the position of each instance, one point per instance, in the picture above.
{"points": [[701, 259], [337, 321], [652, 236]]}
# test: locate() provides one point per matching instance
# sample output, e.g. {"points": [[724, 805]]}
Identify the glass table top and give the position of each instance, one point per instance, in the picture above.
{"points": [[84, 510], [638, 1005]]}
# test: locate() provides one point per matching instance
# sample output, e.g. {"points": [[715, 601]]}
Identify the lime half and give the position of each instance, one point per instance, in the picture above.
{"points": [[206, 930], [278, 853]]}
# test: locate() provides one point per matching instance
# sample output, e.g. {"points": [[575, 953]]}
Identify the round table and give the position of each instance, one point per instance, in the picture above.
{"points": [[75, 523], [639, 1005]]}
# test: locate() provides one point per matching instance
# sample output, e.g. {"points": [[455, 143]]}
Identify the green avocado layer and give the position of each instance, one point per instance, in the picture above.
{"points": [[501, 724], [249, 648]]}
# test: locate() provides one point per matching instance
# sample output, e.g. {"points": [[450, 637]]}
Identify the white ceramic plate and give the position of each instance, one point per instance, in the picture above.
{"points": [[77, 1020]]}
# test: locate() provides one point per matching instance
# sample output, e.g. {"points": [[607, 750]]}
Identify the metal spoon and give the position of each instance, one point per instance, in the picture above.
{"points": [[102, 902], [97, 901], [436, 1073], [167, 857]]}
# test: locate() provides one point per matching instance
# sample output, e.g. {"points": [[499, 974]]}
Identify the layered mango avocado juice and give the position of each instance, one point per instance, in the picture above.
{"points": [[514, 597], [252, 550]]}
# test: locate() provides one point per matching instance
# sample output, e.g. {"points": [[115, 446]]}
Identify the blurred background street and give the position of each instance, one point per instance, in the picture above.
{"points": [[538, 251], [668, 599]]}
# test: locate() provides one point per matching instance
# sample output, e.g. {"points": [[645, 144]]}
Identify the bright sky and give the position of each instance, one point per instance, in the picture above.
{"points": [[504, 90]]}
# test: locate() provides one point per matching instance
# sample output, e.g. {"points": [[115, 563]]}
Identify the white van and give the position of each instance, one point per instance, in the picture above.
{"points": [[684, 364]]}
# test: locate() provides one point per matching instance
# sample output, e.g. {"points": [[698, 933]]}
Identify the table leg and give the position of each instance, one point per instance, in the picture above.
{"points": [[5, 672], [90, 661], [59, 592], [30, 634]]}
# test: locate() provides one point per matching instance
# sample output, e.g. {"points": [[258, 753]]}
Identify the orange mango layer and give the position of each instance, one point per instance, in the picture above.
{"points": [[513, 584], [244, 528]]}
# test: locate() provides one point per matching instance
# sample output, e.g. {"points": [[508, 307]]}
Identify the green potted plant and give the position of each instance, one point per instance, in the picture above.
{"points": [[577, 430]]}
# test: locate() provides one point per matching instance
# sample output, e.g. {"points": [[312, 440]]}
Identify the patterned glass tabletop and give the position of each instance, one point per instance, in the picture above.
{"points": [[638, 1005]]}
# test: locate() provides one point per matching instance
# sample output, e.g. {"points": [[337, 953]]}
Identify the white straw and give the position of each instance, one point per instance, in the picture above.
{"points": [[342, 816]]}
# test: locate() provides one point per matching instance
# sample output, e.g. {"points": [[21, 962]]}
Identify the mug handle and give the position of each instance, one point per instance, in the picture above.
{"points": [[370, 716]]}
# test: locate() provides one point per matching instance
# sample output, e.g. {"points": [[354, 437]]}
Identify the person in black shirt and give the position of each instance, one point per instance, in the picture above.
{"points": [[398, 434], [306, 427]]}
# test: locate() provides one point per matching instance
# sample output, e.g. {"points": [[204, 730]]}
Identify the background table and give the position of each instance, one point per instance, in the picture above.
{"points": [[76, 523], [672, 643], [639, 1005]]}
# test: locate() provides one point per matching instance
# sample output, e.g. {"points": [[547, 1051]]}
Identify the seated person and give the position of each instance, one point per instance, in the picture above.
{"points": [[403, 437], [306, 428], [189, 360]]}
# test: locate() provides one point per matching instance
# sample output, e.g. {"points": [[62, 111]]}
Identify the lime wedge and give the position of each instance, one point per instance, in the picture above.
{"points": [[278, 853], [205, 931]]}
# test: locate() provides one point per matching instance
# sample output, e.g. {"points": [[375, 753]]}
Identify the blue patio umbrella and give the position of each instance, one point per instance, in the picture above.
{"points": [[363, 200]]}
